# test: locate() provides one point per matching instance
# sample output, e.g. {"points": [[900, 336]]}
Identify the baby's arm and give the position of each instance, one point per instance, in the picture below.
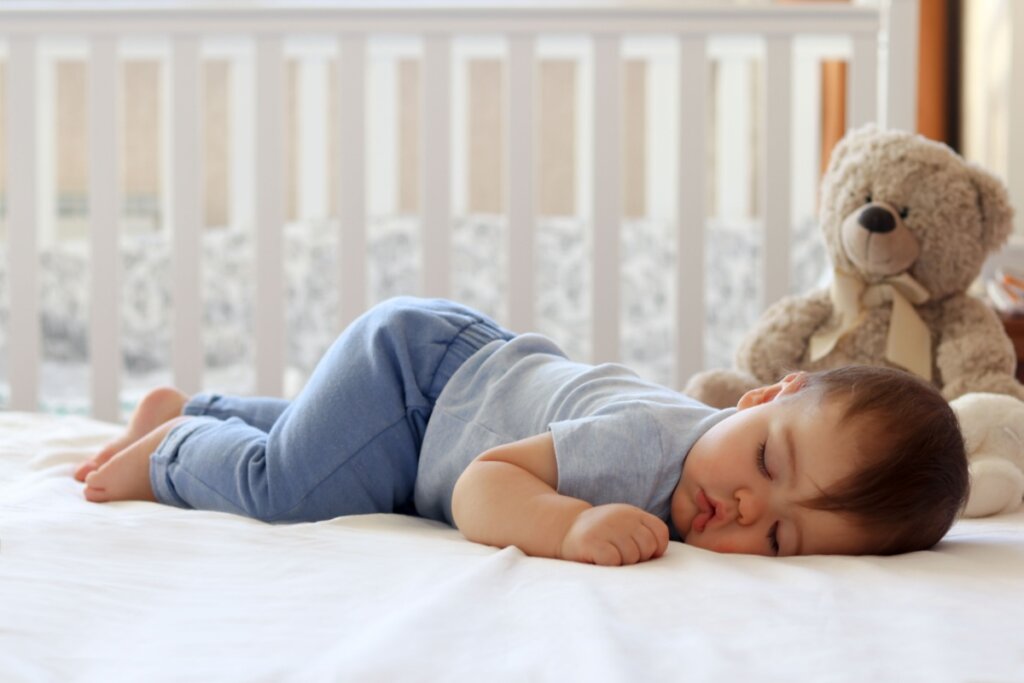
{"points": [[507, 497]]}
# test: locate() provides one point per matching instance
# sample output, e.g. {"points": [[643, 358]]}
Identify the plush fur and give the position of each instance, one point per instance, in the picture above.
{"points": [[945, 216], [993, 428]]}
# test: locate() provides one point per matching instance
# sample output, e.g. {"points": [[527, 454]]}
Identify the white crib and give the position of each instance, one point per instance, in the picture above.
{"points": [[788, 37]]}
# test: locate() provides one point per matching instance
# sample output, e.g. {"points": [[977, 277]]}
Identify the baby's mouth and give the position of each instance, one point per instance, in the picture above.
{"points": [[705, 512]]}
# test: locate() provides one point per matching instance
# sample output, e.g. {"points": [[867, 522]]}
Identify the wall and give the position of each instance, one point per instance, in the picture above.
{"points": [[992, 106]]}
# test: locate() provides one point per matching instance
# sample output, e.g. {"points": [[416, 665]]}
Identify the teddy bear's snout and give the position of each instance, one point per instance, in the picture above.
{"points": [[877, 219], [877, 242]]}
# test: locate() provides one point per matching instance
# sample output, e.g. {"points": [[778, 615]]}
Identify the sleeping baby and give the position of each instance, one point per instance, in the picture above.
{"points": [[427, 407]]}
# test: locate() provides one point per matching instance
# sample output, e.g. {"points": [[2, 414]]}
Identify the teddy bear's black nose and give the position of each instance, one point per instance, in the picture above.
{"points": [[877, 219]]}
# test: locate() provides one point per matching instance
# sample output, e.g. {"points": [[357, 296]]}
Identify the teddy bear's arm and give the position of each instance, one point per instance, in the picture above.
{"points": [[974, 354], [778, 341]]}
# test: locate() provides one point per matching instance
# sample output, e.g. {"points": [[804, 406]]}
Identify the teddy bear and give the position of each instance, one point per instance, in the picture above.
{"points": [[908, 224], [993, 429]]}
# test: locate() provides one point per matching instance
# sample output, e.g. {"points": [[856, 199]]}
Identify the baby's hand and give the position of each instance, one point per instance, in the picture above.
{"points": [[614, 535]]}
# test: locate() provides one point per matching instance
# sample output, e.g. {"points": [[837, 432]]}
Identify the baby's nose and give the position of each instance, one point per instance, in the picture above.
{"points": [[748, 509]]}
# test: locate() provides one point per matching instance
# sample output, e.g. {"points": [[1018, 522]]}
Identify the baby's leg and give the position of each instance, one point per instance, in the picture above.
{"points": [[348, 444], [125, 476], [156, 408], [260, 412]]}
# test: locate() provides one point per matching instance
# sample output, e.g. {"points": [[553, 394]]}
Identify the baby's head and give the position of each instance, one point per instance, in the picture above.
{"points": [[856, 460]]}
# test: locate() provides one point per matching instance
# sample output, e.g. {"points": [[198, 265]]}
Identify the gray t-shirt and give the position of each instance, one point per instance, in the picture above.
{"points": [[618, 438]]}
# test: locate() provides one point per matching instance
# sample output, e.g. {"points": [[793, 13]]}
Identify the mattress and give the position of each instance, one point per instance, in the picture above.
{"points": [[138, 591]]}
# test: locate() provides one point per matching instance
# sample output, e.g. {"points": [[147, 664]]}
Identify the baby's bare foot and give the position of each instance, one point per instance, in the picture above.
{"points": [[125, 476], [156, 407]]}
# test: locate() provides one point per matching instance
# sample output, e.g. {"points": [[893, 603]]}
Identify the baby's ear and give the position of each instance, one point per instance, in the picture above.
{"points": [[793, 382], [754, 397], [789, 384]]}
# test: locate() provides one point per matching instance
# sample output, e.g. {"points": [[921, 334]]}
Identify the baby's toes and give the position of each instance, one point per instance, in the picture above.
{"points": [[91, 465], [94, 495], [84, 469], [97, 461], [95, 488]]}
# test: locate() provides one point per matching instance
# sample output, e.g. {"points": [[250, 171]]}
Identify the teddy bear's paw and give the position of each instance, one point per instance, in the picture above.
{"points": [[997, 486]]}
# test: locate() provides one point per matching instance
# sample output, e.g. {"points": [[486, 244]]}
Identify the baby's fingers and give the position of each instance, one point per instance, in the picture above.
{"points": [[640, 545], [629, 549], [646, 542], [606, 554], [659, 530]]}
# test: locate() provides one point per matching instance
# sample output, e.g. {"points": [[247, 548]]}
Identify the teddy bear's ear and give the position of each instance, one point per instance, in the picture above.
{"points": [[849, 142], [994, 202]]}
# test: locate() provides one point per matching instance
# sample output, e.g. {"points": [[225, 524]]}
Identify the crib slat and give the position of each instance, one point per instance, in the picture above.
{"points": [[1015, 112], [734, 160], [436, 165], [352, 255], [607, 216], [311, 130], [863, 93], [104, 202], [270, 159], [692, 212], [186, 178], [901, 88], [521, 209], [776, 185], [22, 255], [807, 120]]}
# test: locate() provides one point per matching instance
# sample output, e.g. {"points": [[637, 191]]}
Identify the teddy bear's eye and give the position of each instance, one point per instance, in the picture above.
{"points": [[868, 200], [904, 212]]}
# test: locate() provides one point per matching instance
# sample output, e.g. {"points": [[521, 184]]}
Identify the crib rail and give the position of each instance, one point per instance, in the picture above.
{"points": [[881, 88]]}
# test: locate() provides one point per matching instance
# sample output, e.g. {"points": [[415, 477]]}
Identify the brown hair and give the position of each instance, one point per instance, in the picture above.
{"points": [[915, 479]]}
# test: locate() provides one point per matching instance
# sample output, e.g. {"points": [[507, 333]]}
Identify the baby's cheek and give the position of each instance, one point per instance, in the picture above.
{"points": [[714, 545], [736, 544], [721, 545], [725, 547]]}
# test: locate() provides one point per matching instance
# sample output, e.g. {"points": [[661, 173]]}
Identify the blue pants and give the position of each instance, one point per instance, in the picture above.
{"points": [[348, 444]]}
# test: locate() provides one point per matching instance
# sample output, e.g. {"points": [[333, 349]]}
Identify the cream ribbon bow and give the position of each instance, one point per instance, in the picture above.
{"points": [[909, 342]]}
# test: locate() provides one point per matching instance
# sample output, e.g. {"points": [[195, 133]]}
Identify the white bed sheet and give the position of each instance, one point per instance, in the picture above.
{"points": [[137, 591]]}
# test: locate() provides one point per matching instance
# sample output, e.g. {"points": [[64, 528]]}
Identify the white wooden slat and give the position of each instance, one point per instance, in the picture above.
{"points": [[186, 214], [734, 163], [521, 207], [1015, 112], [352, 253], [462, 59], [436, 166], [607, 198], [270, 160], [46, 151], [382, 95], [806, 119], [23, 250], [104, 202], [692, 211], [863, 82], [241, 131], [777, 167], [901, 85], [311, 130]]}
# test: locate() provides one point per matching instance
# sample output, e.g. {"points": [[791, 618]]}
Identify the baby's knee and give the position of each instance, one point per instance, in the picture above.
{"points": [[399, 308], [398, 315], [175, 421]]}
